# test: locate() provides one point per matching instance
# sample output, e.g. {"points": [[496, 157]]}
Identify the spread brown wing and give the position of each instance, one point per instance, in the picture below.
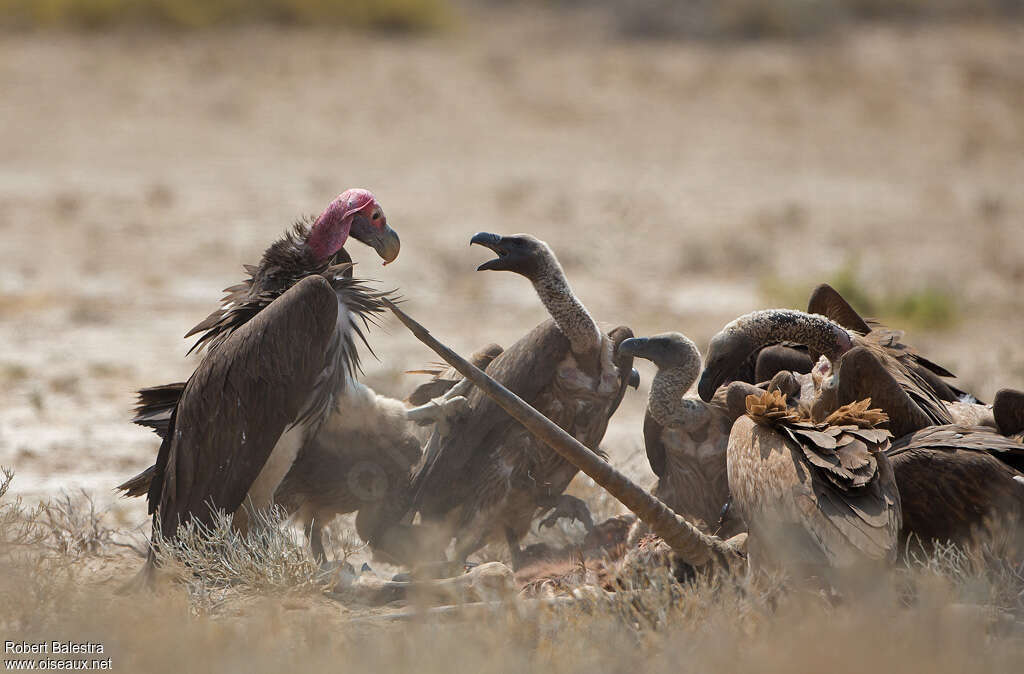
{"points": [[525, 368], [826, 301], [982, 439], [956, 480], [239, 401]]}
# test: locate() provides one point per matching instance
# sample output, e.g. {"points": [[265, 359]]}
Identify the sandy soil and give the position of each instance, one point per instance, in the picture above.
{"points": [[138, 174]]}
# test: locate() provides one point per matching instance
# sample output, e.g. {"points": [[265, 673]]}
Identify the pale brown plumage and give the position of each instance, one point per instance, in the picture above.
{"points": [[692, 546], [813, 494], [685, 438]]}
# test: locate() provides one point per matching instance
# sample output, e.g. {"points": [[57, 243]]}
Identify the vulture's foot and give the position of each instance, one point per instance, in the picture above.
{"points": [[569, 507]]}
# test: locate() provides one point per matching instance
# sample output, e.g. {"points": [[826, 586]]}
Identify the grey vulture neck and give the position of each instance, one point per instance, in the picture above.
{"points": [[569, 314], [670, 384], [771, 326]]}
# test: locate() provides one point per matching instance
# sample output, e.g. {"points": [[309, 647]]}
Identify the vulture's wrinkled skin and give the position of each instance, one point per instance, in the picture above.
{"points": [[488, 477]]}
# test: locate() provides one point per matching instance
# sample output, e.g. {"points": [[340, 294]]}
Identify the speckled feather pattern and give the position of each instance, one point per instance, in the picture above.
{"points": [[569, 314], [771, 326]]}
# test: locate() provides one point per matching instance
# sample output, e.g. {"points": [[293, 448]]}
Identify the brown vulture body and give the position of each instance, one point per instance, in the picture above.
{"points": [[685, 438], [363, 462], [859, 366], [279, 354], [487, 478], [813, 494], [961, 484]]}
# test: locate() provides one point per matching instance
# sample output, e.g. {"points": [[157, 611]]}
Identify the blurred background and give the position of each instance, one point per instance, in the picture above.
{"points": [[688, 161]]}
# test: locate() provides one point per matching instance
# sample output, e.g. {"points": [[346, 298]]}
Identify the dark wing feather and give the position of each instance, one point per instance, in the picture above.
{"points": [[138, 485], [656, 452], [239, 401], [953, 484], [525, 368], [155, 404], [971, 438], [826, 301], [281, 268], [444, 377]]}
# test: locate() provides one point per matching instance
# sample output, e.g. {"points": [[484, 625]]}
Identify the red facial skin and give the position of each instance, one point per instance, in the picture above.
{"points": [[331, 230]]}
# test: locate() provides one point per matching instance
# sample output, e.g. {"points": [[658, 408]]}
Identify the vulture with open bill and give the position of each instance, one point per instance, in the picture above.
{"points": [[488, 477]]}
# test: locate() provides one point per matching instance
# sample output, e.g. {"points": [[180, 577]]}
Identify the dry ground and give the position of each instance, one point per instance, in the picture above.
{"points": [[681, 185]]}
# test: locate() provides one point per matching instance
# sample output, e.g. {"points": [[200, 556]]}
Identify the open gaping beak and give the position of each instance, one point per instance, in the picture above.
{"points": [[492, 241]]}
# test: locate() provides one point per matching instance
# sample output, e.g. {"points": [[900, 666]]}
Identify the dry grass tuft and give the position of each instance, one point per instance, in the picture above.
{"points": [[945, 612], [214, 562]]}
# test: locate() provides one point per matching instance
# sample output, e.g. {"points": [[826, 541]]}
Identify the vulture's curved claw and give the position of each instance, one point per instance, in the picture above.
{"points": [[571, 508]]}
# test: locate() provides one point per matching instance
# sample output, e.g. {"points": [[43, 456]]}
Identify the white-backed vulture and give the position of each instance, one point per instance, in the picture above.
{"points": [[813, 495], [686, 438], [861, 366], [488, 477], [685, 540]]}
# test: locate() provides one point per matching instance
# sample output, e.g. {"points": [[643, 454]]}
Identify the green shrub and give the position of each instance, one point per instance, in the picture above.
{"points": [[392, 15]]}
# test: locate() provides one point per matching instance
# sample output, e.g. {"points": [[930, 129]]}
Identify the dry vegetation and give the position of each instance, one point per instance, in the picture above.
{"points": [[681, 183], [240, 606]]}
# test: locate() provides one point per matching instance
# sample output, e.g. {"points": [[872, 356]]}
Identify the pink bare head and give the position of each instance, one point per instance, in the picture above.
{"points": [[356, 212]]}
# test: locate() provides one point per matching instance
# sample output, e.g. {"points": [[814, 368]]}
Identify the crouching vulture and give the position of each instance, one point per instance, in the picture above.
{"points": [[686, 438], [861, 366], [964, 484], [813, 494], [487, 478], [960, 484], [281, 351]]}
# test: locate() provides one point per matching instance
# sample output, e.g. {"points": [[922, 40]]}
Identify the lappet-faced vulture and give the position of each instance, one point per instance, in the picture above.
{"points": [[281, 351], [488, 476], [814, 495], [686, 438]]}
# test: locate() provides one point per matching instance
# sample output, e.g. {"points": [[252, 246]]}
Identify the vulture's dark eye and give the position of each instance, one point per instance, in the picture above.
{"points": [[376, 216]]}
